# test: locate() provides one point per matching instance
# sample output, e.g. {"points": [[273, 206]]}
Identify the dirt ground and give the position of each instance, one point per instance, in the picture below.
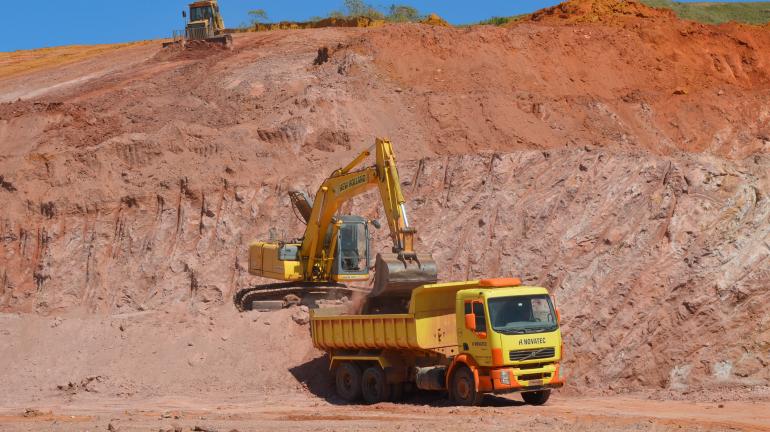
{"points": [[609, 152], [225, 412], [144, 371]]}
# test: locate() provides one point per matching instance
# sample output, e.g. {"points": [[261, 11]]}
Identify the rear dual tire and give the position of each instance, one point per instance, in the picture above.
{"points": [[374, 385], [348, 381], [371, 384]]}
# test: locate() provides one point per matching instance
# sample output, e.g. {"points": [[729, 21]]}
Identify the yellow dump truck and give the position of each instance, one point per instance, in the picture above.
{"points": [[465, 338]]}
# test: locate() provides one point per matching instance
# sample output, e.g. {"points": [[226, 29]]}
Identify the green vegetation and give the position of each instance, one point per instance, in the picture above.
{"points": [[715, 13], [402, 13], [359, 8], [257, 16], [498, 21], [395, 13]]}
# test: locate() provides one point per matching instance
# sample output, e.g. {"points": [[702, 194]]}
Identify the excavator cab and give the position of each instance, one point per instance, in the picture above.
{"points": [[351, 260]]}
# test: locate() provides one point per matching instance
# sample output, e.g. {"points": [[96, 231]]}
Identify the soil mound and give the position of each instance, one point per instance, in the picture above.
{"points": [[134, 355], [606, 11], [434, 19], [191, 50]]}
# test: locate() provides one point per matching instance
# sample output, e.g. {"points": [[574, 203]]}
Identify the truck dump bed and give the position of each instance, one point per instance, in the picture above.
{"points": [[365, 332], [430, 324]]}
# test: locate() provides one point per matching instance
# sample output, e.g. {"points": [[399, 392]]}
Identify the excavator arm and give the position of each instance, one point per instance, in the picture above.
{"points": [[393, 200], [344, 184]]}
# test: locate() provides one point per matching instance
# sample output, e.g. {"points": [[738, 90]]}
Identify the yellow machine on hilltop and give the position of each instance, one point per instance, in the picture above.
{"points": [[465, 338], [335, 249], [206, 24]]}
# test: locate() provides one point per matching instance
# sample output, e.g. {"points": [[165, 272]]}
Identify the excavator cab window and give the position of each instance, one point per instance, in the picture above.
{"points": [[353, 248]]}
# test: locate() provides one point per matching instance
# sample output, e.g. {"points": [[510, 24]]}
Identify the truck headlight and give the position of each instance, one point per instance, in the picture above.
{"points": [[505, 377]]}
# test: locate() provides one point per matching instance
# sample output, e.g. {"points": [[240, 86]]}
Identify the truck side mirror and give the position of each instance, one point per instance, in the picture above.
{"points": [[470, 321], [184, 14], [376, 223]]}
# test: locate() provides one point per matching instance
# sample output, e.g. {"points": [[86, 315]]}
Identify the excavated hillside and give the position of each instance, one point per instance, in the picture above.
{"points": [[607, 151]]}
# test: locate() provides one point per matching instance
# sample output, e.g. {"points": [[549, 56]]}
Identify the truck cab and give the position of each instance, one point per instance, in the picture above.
{"points": [[509, 335]]}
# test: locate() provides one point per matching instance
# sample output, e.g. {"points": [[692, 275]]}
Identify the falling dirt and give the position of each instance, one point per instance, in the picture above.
{"points": [[605, 150]]}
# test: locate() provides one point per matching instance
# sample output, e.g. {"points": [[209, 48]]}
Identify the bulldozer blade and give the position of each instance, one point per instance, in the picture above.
{"points": [[226, 40], [172, 43], [397, 276]]}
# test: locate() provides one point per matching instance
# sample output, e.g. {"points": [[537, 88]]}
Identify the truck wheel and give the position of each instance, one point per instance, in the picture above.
{"points": [[464, 390], [374, 387], [348, 378], [536, 397]]}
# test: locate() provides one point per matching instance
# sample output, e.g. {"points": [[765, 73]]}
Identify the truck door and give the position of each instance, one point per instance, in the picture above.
{"points": [[473, 339]]}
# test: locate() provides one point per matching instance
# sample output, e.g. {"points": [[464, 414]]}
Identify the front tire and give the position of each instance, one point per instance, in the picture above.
{"points": [[374, 386], [536, 397], [464, 391], [348, 381]]}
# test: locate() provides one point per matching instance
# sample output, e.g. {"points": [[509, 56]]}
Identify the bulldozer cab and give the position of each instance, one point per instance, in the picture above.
{"points": [[206, 14], [201, 13], [351, 260]]}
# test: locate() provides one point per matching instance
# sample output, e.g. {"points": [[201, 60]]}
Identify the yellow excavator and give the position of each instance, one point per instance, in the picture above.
{"points": [[335, 248]]}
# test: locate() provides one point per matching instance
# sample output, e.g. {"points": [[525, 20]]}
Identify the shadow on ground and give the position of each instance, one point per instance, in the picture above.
{"points": [[314, 375]]}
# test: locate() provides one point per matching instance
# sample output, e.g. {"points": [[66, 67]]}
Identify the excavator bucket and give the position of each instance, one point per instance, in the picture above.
{"points": [[396, 276]]}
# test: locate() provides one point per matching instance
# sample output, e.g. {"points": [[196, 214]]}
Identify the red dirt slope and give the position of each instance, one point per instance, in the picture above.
{"points": [[623, 164]]}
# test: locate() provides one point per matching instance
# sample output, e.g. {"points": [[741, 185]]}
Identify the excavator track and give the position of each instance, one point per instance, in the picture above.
{"points": [[245, 297]]}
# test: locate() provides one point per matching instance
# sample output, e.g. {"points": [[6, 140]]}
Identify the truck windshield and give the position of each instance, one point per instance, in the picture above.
{"points": [[200, 13], [522, 314]]}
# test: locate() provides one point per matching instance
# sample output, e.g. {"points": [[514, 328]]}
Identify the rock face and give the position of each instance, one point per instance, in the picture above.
{"points": [[557, 150]]}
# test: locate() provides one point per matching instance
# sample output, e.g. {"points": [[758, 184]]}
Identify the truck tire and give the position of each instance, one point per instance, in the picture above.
{"points": [[463, 389], [348, 381], [536, 397], [374, 386]]}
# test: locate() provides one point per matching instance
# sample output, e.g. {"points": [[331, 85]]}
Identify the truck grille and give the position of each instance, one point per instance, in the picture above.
{"points": [[531, 354]]}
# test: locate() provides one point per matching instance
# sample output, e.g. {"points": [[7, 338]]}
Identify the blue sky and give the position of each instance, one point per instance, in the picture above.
{"points": [[31, 24]]}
